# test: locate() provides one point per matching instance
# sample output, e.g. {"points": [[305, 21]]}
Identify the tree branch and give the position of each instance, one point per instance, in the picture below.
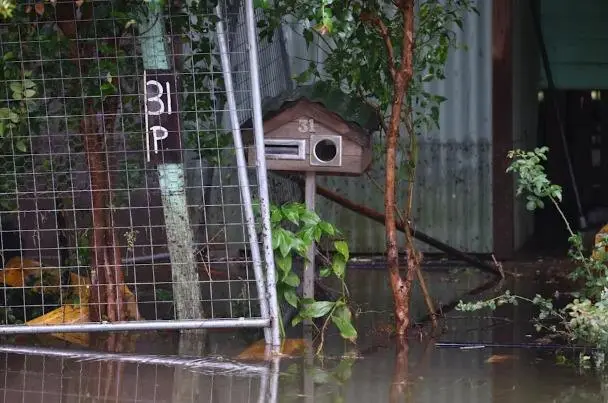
{"points": [[407, 51], [378, 23]]}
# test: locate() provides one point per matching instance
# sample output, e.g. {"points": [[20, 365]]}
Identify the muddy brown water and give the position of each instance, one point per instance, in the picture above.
{"points": [[162, 367]]}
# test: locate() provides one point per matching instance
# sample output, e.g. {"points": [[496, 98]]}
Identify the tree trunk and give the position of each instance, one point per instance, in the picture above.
{"points": [[106, 297], [102, 299], [402, 78]]}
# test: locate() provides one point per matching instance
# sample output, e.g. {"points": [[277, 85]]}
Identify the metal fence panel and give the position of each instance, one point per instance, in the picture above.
{"points": [[106, 223]]}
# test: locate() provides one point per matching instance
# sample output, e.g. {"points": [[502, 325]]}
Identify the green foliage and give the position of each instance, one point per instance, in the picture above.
{"points": [[356, 59], [6, 9], [531, 177], [288, 244], [20, 90], [532, 181], [585, 318]]}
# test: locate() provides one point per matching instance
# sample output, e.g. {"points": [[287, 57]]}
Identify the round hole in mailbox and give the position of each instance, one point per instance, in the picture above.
{"points": [[325, 150]]}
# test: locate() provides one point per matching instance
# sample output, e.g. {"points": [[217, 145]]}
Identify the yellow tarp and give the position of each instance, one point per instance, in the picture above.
{"points": [[26, 272], [258, 350]]}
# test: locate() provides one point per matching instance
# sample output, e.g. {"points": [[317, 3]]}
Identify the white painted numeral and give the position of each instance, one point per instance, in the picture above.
{"points": [[169, 106], [156, 98], [306, 125]]}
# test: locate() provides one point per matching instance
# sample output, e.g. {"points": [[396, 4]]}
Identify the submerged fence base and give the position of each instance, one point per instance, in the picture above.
{"points": [[134, 326]]}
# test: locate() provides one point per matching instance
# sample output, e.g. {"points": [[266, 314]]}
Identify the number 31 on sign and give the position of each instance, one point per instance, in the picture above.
{"points": [[158, 108]]}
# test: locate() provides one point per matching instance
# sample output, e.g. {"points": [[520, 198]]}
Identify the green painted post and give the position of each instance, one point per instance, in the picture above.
{"points": [[163, 137]]}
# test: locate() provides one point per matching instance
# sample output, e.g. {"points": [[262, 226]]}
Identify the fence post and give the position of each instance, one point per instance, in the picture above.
{"points": [[258, 129], [166, 141]]}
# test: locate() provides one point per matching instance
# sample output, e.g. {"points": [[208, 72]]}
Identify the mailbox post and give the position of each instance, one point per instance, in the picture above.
{"points": [[317, 131]]}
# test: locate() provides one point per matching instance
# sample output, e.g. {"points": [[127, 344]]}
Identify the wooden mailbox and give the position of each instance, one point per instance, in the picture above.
{"points": [[316, 130], [302, 134]]}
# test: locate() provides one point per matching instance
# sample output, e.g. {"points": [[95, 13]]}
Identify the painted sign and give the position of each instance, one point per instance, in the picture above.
{"points": [[163, 142]]}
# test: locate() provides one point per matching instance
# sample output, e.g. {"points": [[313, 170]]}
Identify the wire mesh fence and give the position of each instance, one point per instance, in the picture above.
{"points": [[122, 195], [42, 375]]}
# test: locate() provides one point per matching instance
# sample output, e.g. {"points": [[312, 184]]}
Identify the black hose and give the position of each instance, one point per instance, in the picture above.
{"points": [[474, 345]]}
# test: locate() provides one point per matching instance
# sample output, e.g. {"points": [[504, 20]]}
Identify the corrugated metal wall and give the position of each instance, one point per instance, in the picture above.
{"points": [[453, 194]]}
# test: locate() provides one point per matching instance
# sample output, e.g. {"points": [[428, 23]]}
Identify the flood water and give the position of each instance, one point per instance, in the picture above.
{"points": [[471, 361]]}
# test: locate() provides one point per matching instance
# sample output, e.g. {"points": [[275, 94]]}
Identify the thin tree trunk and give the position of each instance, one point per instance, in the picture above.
{"points": [[103, 294], [402, 77], [106, 122]]}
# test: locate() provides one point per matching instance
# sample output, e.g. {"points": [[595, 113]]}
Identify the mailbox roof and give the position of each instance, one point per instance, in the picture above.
{"points": [[362, 118]]}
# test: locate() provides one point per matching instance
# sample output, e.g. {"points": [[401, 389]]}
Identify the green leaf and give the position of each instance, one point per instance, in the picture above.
{"points": [[306, 234], [291, 297], [342, 318], [325, 271], [14, 117], [16, 86], [296, 320], [286, 244], [284, 263], [275, 214], [21, 146], [342, 248], [276, 238], [303, 77], [308, 36], [291, 215], [310, 217], [327, 228], [338, 265], [292, 279], [29, 93], [317, 309], [318, 233]]}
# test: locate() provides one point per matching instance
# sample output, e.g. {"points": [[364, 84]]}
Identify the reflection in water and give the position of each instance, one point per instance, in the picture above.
{"points": [[379, 370], [400, 374], [49, 375], [408, 373]]}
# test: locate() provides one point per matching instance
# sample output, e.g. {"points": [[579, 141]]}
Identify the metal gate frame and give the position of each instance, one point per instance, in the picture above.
{"points": [[264, 276]]}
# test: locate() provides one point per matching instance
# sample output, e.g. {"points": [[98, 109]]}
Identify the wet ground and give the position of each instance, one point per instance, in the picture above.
{"points": [[476, 359]]}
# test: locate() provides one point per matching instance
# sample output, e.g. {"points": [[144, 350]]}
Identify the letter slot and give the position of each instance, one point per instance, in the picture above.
{"points": [[279, 149]]}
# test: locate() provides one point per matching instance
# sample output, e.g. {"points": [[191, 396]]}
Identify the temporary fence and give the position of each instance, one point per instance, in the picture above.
{"points": [[126, 199]]}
